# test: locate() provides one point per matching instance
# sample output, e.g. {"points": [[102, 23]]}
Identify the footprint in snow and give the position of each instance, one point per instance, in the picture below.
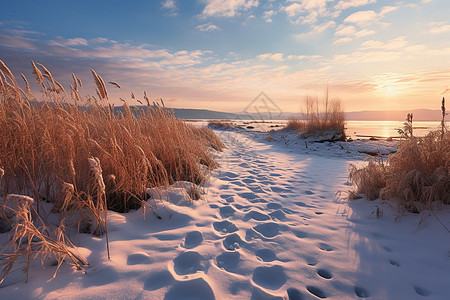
{"points": [[189, 262], [268, 230], [193, 239], [324, 274], [228, 175], [274, 206], [228, 198], [316, 291], [276, 189], [394, 263], [248, 180], [225, 227], [421, 291], [270, 277], [241, 207], [266, 255], [303, 204], [167, 237], [233, 242], [300, 234], [229, 261], [278, 215], [294, 294], [158, 280], [192, 289], [256, 216], [248, 196], [226, 211], [325, 247], [361, 292]]}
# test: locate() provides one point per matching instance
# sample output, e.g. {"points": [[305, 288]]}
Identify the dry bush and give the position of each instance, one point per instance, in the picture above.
{"points": [[419, 173], [86, 157], [369, 180], [220, 124], [324, 116], [296, 125], [417, 176], [321, 117]]}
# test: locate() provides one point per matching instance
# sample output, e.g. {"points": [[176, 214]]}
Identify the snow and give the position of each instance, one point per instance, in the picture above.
{"points": [[270, 225]]}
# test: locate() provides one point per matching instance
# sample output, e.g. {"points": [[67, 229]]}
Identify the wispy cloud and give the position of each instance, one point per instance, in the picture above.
{"points": [[226, 8], [361, 18], [438, 27], [342, 40], [393, 44], [171, 6], [306, 11], [17, 41], [207, 27], [315, 29], [267, 15], [345, 4], [272, 56]]}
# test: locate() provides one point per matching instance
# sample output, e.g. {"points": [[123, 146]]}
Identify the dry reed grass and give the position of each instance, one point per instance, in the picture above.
{"points": [[84, 157], [296, 125], [220, 124], [417, 176], [322, 116]]}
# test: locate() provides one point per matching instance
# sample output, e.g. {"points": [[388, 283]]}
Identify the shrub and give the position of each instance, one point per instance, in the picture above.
{"points": [[320, 118], [220, 124], [417, 176]]}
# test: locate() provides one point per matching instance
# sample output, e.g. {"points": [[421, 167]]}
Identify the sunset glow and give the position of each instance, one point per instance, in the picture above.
{"points": [[219, 55]]}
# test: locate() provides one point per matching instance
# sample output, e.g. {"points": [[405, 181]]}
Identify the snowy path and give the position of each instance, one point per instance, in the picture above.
{"points": [[272, 228]]}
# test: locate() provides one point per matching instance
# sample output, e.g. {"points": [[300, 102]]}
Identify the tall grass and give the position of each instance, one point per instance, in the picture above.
{"points": [[321, 116], [417, 176], [220, 124], [85, 158]]}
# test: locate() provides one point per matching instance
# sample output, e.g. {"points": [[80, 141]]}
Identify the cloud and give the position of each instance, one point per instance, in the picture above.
{"points": [[362, 17], [343, 5], [388, 9], [312, 4], [345, 33], [342, 41], [438, 27], [293, 9], [70, 42], [17, 41], [276, 56], [227, 8], [393, 44], [171, 6], [267, 15], [345, 30], [207, 27], [306, 11], [315, 29]]}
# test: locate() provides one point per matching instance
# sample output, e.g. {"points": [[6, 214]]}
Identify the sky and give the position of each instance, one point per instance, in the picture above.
{"points": [[221, 54]]}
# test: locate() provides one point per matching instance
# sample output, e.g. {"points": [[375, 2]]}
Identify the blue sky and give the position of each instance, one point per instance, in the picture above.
{"points": [[219, 54]]}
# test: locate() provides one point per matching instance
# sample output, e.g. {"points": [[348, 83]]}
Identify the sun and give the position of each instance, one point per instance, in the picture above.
{"points": [[390, 87]]}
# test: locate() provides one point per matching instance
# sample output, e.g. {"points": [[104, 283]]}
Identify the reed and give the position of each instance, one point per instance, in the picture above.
{"points": [[321, 117], [416, 177], [78, 153]]}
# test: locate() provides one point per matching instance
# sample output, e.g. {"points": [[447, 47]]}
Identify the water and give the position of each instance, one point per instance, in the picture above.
{"points": [[356, 129], [384, 129]]}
